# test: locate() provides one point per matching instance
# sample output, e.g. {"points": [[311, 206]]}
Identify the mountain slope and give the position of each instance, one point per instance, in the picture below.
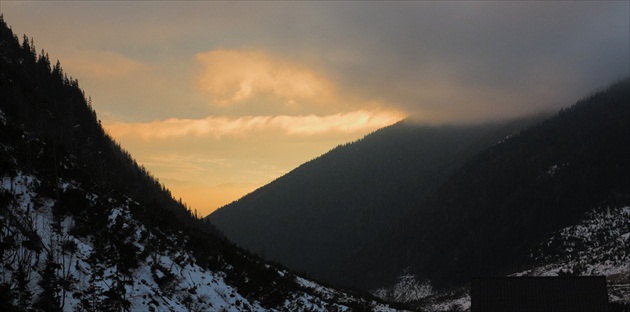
{"points": [[84, 228], [485, 218], [106, 258], [599, 244], [319, 213]]}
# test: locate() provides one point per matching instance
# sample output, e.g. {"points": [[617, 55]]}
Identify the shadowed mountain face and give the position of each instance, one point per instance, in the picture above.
{"points": [[442, 203], [325, 210], [489, 213]]}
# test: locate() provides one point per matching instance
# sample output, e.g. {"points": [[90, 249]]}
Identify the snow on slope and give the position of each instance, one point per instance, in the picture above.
{"points": [[196, 289], [407, 288], [598, 245], [165, 280]]}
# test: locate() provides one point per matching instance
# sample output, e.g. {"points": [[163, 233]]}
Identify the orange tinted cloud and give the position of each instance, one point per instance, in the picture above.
{"points": [[354, 121], [230, 77]]}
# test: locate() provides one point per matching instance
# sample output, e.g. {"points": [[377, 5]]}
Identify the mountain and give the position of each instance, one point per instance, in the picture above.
{"points": [[597, 245], [321, 212], [492, 212], [83, 227], [413, 211]]}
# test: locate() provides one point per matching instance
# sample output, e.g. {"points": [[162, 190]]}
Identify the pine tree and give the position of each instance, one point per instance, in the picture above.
{"points": [[91, 297], [67, 280], [48, 300], [6, 300], [123, 257], [22, 291]]}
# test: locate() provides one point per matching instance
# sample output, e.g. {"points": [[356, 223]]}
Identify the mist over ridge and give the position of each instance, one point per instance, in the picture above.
{"points": [[442, 203]]}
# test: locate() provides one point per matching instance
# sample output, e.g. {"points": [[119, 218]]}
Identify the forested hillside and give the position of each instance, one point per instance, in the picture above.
{"points": [[48, 102], [83, 227], [439, 205], [486, 218], [319, 213]]}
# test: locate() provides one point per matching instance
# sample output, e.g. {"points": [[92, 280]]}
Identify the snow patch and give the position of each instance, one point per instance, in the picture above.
{"points": [[553, 170], [598, 245], [407, 288], [168, 279], [3, 118]]}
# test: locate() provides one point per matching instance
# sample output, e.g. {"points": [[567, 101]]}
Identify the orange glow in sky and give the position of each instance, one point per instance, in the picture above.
{"points": [[217, 98]]}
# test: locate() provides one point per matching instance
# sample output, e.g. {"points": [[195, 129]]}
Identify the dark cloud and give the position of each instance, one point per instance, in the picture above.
{"points": [[531, 54], [485, 58], [439, 60], [506, 57]]}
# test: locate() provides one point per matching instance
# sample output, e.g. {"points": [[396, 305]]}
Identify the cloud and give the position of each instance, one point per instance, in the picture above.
{"points": [[367, 50], [498, 59], [102, 65], [288, 72], [184, 162], [230, 77], [217, 127]]}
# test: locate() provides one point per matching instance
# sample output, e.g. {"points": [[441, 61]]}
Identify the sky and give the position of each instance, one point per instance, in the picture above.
{"points": [[219, 98]]}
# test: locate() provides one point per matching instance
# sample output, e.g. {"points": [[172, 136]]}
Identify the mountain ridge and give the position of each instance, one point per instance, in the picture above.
{"points": [[83, 227], [508, 197], [569, 163], [338, 201]]}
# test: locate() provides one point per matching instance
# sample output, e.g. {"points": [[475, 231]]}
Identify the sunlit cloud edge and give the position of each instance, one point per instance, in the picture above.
{"points": [[221, 126]]}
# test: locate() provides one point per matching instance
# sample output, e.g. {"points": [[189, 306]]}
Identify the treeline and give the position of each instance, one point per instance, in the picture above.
{"points": [[49, 130], [486, 217], [51, 104], [320, 213]]}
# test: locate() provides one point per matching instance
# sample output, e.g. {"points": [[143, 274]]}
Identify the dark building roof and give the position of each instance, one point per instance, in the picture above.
{"points": [[574, 294]]}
